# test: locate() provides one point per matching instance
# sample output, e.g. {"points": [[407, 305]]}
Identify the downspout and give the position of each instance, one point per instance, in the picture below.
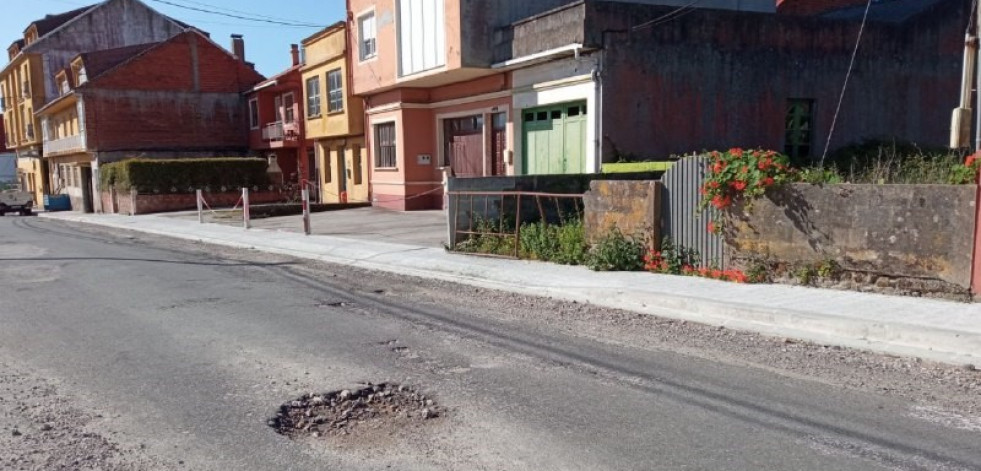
{"points": [[598, 79]]}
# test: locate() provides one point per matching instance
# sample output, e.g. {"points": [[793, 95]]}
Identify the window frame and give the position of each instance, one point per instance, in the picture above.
{"points": [[331, 91], [364, 55], [289, 112], [254, 113], [377, 144], [313, 100], [801, 123]]}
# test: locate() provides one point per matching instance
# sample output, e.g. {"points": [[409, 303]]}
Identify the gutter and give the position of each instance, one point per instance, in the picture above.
{"points": [[574, 48]]}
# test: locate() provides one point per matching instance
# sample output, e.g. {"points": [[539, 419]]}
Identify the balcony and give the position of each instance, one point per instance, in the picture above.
{"points": [[281, 134], [65, 145]]}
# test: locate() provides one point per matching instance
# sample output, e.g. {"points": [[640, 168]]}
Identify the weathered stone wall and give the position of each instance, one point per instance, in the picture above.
{"points": [[634, 207], [903, 239]]}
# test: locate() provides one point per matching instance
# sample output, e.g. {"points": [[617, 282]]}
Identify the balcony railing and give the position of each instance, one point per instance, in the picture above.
{"points": [[65, 144], [280, 132]]}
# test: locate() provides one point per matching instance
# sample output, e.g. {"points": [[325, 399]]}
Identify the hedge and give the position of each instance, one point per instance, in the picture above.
{"points": [[184, 175], [634, 167]]}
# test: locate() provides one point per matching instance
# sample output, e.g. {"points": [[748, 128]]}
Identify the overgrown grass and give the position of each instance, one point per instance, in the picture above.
{"points": [[560, 243], [878, 162]]}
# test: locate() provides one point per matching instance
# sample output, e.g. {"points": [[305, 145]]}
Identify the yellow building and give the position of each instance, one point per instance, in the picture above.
{"points": [[335, 118], [62, 132], [22, 86]]}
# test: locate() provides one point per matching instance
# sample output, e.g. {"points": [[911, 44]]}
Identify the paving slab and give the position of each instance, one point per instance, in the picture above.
{"points": [[934, 329]]}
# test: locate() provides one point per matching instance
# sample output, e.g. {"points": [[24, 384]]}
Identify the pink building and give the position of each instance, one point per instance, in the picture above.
{"points": [[433, 102]]}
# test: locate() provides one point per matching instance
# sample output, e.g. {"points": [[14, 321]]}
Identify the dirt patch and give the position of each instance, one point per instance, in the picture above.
{"points": [[351, 411]]}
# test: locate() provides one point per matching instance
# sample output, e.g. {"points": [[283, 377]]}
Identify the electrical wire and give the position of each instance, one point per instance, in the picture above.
{"points": [[240, 17], [232, 10], [673, 15], [844, 87]]}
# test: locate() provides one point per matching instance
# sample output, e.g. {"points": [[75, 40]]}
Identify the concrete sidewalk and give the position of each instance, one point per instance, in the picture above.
{"points": [[934, 329]]}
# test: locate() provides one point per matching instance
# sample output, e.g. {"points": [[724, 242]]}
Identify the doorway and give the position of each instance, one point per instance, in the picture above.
{"points": [[88, 205]]}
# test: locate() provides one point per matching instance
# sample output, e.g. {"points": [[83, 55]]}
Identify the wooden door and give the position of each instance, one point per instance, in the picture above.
{"points": [[464, 146]]}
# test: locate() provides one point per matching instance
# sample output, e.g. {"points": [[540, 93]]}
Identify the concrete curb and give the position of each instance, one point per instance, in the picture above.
{"points": [[937, 330]]}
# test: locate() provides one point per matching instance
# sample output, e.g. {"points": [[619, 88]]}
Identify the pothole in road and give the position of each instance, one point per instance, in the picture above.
{"points": [[350, 411]]}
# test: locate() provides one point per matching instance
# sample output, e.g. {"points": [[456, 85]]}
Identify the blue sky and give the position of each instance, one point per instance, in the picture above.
{"points": [[267, 45]]}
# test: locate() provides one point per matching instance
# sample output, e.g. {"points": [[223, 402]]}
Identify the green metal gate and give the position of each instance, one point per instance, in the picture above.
{"points": [[554, 139]]}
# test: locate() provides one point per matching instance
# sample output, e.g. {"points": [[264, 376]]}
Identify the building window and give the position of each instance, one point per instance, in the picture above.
{"points": [[313, 97], [254, 113], [366, 36], [335, 91], [288, 103], [421, 35], [385, 156], [800, 128], [80, 76]]}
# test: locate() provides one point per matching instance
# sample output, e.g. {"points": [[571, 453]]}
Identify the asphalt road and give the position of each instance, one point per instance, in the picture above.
{"points": [[180, 353]]}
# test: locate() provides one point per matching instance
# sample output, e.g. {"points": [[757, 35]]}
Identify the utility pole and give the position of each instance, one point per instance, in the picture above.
{"points": [[977, 89], [960, 128]]}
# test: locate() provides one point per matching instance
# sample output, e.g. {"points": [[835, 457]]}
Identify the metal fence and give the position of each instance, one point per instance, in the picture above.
{"points": [[500, 214], [681, 219]]}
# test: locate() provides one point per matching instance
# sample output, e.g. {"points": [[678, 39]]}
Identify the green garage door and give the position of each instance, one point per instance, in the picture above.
{"points": [[554, 139]]}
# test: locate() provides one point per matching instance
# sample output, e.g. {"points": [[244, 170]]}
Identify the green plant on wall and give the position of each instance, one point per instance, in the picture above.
{"points": [[741, 175]]}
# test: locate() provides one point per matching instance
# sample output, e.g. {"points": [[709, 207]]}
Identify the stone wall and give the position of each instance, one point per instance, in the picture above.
{"points": [[901, 239], [634, 207]]}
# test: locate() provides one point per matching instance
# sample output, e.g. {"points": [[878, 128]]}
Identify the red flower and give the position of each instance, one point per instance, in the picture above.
{"points": [[970, 160], [745, 169], [718, 167], [716, 274], [703, 191], [721, 202], [713, 184], [768, 181], [736, 151], [738, 185], [711, 227]]}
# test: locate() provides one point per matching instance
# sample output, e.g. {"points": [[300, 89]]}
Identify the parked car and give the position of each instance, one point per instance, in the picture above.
{"points": [[16, 201]]}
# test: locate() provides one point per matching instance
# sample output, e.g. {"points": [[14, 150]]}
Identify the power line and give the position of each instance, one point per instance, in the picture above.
{"points": [[232, 10], [673, 15], [240, 17], [851, 66]]}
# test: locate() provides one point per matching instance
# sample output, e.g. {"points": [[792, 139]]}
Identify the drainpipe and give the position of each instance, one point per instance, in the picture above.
{"points": [[598, 79]]}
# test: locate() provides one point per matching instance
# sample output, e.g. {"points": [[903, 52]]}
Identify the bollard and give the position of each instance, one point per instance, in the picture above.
{"points": [[200, 206], [245, 208], [305, 195]]}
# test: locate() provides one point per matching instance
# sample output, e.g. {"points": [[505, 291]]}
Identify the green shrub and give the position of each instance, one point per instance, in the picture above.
{"points": [[560, 243], [616, 252], [184, 175]]}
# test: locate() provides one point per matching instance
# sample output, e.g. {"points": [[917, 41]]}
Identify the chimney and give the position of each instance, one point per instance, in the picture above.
{"points": [[295, 54], [238, 47]]}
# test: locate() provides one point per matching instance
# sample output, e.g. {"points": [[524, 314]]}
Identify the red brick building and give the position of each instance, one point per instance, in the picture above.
{"points": [[276, 123], [182, 97]]}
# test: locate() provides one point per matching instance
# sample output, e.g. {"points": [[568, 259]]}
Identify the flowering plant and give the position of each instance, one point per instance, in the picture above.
{"points": [[741, 174], [674, 260]]}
